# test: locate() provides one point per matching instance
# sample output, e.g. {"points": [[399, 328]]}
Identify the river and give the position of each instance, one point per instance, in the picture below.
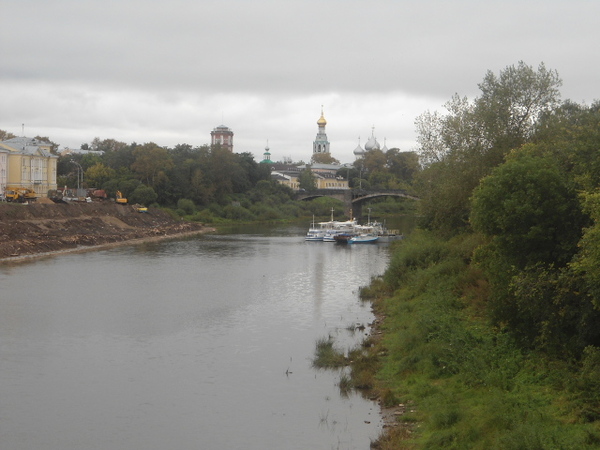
{"points": [[200, 343]]}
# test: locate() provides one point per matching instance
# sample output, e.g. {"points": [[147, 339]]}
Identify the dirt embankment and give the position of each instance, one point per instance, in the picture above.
{"points": [[40, 228]]}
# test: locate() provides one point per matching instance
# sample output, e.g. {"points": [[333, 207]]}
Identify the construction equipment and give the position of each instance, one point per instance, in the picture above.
{"points": [[97, 194], [19, 194], [120, 199]]}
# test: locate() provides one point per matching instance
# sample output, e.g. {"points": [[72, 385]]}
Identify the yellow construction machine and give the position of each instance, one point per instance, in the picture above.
{"points": [[19, 194], [120, 199]]}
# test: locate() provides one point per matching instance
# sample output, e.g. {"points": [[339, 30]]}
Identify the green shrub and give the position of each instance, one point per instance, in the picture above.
{"points": [[187, 206]]}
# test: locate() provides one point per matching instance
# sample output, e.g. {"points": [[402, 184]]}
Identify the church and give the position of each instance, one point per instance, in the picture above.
{"points": [[371, 144]]}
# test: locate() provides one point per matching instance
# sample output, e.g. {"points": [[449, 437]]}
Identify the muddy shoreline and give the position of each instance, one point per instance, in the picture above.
{"points": [[91, 248], [42, 230]]}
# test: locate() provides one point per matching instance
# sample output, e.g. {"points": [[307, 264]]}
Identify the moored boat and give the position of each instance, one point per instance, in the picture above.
{"points": [[314, 233], [343, 238], [364, 239]]}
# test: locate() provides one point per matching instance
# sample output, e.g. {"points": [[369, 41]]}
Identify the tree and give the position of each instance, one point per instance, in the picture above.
{"points": [[219, 168], [403, 165], [143, 195], [307, 180], [151, 163], [116, 154], [529, 211], [107, 145], [529, 208], [512, 103], [348, 173], [5, 135], [571, 133], [98, 174], [53, 145], [464, 145], [373, 161], [587, 263], [323, 158]]}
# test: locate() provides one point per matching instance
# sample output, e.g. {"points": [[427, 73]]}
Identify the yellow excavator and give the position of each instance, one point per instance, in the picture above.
{"points": [[120, 199], [19, 194]]}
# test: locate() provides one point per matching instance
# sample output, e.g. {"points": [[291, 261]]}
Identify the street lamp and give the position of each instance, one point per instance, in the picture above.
{"points": [[79, 169]]}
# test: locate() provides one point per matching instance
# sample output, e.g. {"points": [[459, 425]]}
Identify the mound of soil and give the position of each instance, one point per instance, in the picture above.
{"points": [[41, 227]]}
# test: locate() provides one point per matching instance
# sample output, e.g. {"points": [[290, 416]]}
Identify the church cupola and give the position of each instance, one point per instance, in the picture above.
{"points": [[359, 152], [372, 143], [267, 155], [321, 144]]}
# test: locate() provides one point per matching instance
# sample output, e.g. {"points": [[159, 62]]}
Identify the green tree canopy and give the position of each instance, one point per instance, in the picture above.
{"points": [[151, 163], [143, 195], [460, 148], [306, 180], [98, 174], [323, 158], [403, 165], [529, 208]]}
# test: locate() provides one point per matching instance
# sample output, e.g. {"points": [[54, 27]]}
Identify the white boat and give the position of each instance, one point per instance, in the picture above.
{"points": [[334, 228], [326, 231], [314, 233], [367, 234]]}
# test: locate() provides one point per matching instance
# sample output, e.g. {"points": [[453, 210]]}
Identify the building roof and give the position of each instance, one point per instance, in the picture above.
{"points": [[80, 151], [318, 166], [28, 146], [222, 129]]}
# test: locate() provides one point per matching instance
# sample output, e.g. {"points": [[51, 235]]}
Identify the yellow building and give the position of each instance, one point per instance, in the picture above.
{"points": [[330, 182], [322, 180], [27, 163]]}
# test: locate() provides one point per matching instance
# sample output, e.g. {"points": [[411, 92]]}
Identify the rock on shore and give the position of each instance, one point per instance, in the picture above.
{"points": [[49, 227]]}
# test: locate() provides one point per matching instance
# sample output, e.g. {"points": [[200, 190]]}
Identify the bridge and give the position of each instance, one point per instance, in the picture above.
{"points": [[354, 199]]}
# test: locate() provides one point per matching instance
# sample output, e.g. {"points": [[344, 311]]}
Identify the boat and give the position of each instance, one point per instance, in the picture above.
{"points": [[343, 238], [367, 234], [314, 233], [347, 232], [327, 231], [336, 228], [365, 238]]}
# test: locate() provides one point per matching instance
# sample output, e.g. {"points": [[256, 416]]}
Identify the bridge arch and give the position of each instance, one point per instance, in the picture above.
{"points": [[354, 199]]}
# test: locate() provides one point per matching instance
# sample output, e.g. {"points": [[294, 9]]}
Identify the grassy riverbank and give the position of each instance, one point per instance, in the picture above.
{"points": [[467, 383]]}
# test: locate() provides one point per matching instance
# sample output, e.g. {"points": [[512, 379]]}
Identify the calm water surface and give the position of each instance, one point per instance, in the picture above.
{"points": [[204, 343]]}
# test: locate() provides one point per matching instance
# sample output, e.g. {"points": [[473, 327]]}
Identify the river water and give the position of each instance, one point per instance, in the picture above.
{"points": [[201, 343]]}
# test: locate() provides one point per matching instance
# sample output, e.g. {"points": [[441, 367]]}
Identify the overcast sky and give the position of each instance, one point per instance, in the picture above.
{"points": [[171, 71]]}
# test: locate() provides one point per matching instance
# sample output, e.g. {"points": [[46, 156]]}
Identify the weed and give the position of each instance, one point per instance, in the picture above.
{"points": [[326, 356]]}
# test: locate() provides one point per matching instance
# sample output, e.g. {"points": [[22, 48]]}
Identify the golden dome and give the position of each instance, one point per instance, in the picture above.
{"points": [[321, 122]]}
